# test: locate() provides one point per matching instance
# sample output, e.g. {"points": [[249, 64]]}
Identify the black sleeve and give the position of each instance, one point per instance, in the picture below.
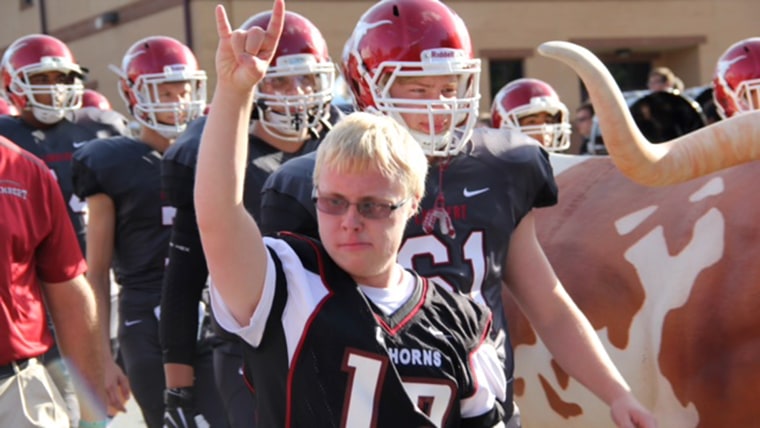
{"points": [[184, 280], [546, 190], [283, 212], [84, 179]]}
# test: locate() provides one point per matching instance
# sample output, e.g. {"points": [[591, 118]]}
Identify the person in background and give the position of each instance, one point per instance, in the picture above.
{"points": [[475, 231], [532, 106], [330, 325], [43, 80], [93, 98], [41, 266], [583, 125], [663, 79], [130, 219], [293, 112]]}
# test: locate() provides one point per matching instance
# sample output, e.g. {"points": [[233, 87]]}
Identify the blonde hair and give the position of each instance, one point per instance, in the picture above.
{"points": [[362, 141]]}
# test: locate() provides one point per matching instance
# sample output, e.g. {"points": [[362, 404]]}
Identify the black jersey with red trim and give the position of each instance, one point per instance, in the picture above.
{"points": [[328, 357], [129, 172], [55, 146], [473, 203]]}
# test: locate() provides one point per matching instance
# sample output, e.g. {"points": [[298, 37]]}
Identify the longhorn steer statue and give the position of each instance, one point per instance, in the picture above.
{"points": [[660, 250]]}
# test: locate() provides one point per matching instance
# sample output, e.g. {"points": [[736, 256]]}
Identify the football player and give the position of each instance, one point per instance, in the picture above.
{"points": [[533, 107], [93, 98], [291, 115], [130, 219], [475, 230]]}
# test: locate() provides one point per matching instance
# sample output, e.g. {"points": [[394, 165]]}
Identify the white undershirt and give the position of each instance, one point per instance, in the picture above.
{"points": [[389, 299]]}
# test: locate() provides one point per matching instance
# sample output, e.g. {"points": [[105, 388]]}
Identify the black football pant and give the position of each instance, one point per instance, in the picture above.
{"points": [[141, 352]]}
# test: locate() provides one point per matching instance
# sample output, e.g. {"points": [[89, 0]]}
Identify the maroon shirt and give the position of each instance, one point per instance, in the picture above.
{"points": [[37, 243]]}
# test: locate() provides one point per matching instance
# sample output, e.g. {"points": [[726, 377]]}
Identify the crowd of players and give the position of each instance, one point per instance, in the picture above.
{"points": [[129, 194]]}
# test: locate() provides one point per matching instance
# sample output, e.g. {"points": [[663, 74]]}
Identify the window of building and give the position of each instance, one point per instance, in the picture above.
{"points": [[503, 71], [629, 75]]}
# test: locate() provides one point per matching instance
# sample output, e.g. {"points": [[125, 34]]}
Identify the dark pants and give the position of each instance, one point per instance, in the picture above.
{"points": [[142, 356], [238, 399]]}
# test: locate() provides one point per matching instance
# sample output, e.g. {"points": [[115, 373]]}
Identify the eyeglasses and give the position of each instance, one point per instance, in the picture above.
{"points": [[367, 209]]}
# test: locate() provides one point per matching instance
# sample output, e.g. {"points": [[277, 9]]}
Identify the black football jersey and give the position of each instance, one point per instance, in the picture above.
{"points": [[329, 357], [286, 198], [473, 202], [180, 160], [55, 146], [129, 172]]}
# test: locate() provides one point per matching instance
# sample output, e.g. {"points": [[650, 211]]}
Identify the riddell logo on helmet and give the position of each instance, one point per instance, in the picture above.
{"points": [[442, 54], [296, 60]]}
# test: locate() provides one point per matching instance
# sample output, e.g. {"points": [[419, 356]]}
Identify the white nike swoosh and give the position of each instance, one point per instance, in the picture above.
{"points": [[471, 193], [131, 323], [79, 144]]}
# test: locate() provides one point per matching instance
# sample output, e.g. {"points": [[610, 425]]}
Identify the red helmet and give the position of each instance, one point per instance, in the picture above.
{"points": [[151, 62], [40, 53], [298, 86], [415, 38], [525, 97], [7, 109], [93, 98], [736, 84]]}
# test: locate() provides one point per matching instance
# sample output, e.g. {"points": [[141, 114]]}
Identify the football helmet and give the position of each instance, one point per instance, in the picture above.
{"points": [[93, 98], [39, 53], [525, 97], [414, 38], [736, 82], [294, 96], [146, 65]]}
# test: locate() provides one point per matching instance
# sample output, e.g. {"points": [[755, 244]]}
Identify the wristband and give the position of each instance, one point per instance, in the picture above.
{"points": [[178, 397], [98, 424]]}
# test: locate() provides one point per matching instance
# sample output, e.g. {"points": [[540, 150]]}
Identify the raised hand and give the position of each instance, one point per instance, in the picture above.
{"points": [[243, 56]]}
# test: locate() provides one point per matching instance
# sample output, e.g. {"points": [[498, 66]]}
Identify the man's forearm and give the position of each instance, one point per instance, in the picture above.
{"points": [[101, 289], [73, 308]]}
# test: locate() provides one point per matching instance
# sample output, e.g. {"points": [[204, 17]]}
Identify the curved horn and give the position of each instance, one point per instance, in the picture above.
{"points": [[721, 145]]}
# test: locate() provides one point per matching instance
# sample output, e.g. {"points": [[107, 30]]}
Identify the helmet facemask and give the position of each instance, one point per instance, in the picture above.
{"points": [[747, 95], [147, 105], [294, 97], [64, 96], [460, 113], [553, 137]]}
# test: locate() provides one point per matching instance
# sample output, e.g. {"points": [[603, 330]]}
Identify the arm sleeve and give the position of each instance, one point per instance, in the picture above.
{"points": [[184, 280], [85, 180]]}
